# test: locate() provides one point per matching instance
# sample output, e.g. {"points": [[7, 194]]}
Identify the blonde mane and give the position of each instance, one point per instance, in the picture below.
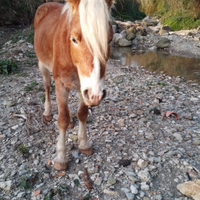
{"points": [[94, 20]]}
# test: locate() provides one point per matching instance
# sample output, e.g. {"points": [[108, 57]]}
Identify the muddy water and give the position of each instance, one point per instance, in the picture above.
{"points": [[160, 61]]}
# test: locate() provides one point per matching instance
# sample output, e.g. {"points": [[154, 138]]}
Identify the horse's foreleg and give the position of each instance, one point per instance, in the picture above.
{"points": [[47, 83], [84, 145], [60, 162]]}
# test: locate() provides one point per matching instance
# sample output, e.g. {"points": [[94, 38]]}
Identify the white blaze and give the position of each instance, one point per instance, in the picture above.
{"points": [[93, 83]]}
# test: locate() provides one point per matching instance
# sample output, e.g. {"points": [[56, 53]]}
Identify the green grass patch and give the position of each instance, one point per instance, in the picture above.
{"points": [[180, 23], [21, 74], [42, 98], [7, 67], [176, 87], [162, 84], [30, 37], [52, 88], [31, 86], [23, 149], [16, 37]]}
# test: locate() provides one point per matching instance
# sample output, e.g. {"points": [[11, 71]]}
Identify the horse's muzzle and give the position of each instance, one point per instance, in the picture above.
{"points": [[93, 100]]}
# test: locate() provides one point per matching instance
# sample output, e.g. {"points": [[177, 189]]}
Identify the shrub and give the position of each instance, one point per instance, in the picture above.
{"points": [[30, 37], [19, 12], [7, 67], [127, 10]]}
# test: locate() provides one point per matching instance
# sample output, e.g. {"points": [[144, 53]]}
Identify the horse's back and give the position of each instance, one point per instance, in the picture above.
{"points": [[45, 24]]}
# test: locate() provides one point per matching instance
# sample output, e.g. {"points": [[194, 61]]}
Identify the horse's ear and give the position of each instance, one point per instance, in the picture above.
{"points": [[110, 3]]}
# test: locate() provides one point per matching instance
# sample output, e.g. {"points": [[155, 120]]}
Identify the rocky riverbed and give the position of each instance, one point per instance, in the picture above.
{"points": [[139, 153]]}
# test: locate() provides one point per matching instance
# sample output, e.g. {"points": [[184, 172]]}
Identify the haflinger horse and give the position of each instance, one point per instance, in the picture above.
{"points": [[72, 42]]}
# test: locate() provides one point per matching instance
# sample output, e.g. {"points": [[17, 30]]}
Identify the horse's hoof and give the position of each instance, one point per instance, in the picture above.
{"points": [[71, 125], [87, 152], [47, 118], [60, 166]]}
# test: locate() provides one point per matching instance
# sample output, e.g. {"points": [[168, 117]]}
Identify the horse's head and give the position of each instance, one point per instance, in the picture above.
{"points": [[90, 33]]}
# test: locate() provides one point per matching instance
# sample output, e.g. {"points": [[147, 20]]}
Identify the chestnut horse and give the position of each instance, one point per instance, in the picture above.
{"points": [[71, 41]]}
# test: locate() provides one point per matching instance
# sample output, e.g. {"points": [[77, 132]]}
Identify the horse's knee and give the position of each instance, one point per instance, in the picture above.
{"points": [[83, 113], [63, 121]]}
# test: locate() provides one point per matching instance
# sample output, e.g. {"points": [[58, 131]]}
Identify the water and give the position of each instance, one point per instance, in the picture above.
{"points": [[159, 61]]}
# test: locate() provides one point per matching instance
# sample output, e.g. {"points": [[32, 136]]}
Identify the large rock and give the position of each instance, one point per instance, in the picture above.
{"points": [[190, 189], [163, 43], [141, 31], [119, 40], [131, 33], [131, 36], [116, 37], [123, 42], [131, 30], [148, 21], [165, 29]]}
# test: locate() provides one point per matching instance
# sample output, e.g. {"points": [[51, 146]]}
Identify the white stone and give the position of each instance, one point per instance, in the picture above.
{"points": [[144, 175], [98, 181], [144, 186], [134, 190], [142, 163], [21, 194], [6, 185]]}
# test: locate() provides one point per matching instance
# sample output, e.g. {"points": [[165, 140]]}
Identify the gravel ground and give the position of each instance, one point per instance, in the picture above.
{"points": [[139, 153]]}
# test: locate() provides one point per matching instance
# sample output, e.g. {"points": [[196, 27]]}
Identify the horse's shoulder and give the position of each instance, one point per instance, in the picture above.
{"points": [[44, 9]]}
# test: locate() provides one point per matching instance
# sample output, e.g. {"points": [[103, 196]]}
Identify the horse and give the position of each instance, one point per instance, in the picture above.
{"points": [[71, 41]]}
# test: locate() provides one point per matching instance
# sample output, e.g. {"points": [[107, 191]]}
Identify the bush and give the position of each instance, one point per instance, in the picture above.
{"points": [[19, 12], [127, 10], [7, 67]]}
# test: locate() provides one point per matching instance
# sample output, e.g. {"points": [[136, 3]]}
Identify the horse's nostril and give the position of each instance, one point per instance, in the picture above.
{"points": [[104, 94], [85, 93]]}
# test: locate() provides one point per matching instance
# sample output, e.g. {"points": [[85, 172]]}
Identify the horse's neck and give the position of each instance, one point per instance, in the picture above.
{"points": [[62, 42]]}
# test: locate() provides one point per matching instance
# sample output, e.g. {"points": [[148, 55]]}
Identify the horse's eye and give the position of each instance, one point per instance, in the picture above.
{"points": [[74, 40]]}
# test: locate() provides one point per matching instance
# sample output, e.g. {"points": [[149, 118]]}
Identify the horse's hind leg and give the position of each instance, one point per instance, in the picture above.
{"points": [[84, 146], [47, 83]]}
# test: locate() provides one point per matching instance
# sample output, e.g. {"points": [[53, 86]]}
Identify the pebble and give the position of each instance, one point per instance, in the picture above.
{"points": [[6, 185], [158, 197], [130, 196], [196, 141], [144, 186], [98, 181], [110, 192], [133, 189], [142, 163], [178, 136], [75, 154], [23, 172], [111, 181], [21, 195], [125, 190], [144, 175], [121, 122], [73, 137]]}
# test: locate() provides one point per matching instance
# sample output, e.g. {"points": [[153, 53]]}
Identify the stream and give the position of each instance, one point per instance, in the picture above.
{"points": [[159, 61]]}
